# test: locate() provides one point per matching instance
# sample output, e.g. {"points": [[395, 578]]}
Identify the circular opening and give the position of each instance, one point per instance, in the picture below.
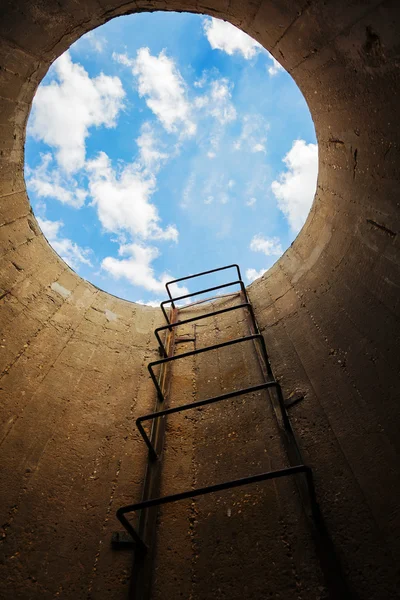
{"points": [[163, 144]]}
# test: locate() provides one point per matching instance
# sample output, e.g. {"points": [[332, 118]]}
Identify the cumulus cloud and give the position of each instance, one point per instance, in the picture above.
{"points": [[73, 254], [136, 268], [295, 188], [253, 274], [49, 182], [268, 246], [166, 93], [164, 90], [64, 110], [123, 199], [251, 201], [228, 38]]}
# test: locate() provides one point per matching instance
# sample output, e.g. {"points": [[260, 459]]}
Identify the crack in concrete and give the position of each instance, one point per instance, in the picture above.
{"points": [[355, 162], [388, 231], [344, 31], [299, 14]]}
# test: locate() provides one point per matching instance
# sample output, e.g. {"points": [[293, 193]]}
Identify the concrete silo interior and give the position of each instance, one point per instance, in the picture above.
{"points": [[74, 359]]}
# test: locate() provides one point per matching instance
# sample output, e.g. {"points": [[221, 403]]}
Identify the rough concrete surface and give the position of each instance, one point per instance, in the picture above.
{"points": [[250, 542], [73, 359]]}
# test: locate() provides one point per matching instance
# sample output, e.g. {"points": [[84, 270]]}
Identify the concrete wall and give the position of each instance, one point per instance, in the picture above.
{"points": [[72, 357]]}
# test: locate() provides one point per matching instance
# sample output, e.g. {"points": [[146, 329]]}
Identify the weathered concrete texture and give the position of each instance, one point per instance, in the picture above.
{"points": [[71, 454], [73, 378], [252, 542]]}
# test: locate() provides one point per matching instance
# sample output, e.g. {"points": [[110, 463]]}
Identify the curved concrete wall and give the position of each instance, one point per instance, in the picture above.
{"points": [[73, 357]]}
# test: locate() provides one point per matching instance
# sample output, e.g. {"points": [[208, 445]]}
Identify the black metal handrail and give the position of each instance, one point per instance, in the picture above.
{"points": [[192, 405], [155, 446], [255, 336], [199, 275], [199, 317], [226, 485], [211, 289]]}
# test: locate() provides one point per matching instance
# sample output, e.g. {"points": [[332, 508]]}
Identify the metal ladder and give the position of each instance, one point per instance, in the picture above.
{"points": [[141, 537]]}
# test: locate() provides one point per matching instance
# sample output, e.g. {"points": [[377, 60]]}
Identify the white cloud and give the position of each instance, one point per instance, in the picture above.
{"points": [[216, 102], [268, 246], [97, 42], [166, 93], [164, 90], [200, 101], [275, 68], [64, 110], [137, 269], [252, 274], [258, 148], [202, 81], [73, 254], [253, 136], [49, 182], [228, 38], [149, 155], [220, 106], [295, 187], [123, 198], [251, 201], [153, 303], [50, 228], [123, 59]]}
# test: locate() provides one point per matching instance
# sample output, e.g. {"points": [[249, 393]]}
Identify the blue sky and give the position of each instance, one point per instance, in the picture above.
{"points": [[162, 144]]}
